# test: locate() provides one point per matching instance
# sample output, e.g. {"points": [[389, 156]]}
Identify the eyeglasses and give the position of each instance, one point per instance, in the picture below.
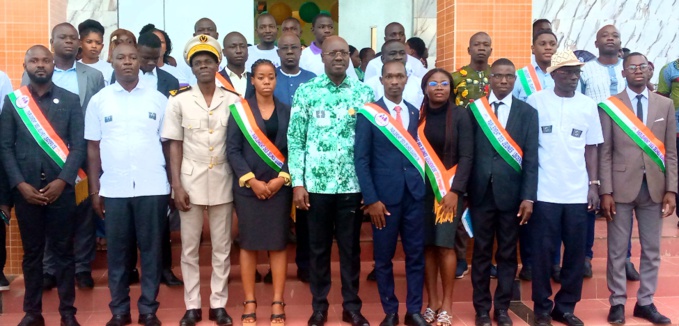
{"points": [[444, 83], [642, 67], [333, 54], [509, 77], [563, 72]]}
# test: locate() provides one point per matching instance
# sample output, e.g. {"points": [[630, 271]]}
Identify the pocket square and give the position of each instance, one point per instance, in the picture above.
{"points": [[661, 119]]}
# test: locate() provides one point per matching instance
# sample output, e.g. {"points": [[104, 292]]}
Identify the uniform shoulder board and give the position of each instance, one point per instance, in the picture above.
{"points": [[179, 91], [230, 91]]}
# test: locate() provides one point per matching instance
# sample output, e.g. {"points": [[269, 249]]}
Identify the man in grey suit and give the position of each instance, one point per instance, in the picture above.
{"points": [[43, 179], [83, 81], [638, 178]]}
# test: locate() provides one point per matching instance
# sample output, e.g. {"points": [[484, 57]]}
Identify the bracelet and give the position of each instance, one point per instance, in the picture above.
{"points": [[94, 193]]}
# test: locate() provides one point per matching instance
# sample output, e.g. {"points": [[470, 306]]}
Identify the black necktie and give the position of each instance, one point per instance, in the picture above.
{"points": [[640, 108], [497, 105]]}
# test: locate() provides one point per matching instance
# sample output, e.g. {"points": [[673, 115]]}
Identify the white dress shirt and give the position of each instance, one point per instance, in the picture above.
{"points": [[644, 102], [128, 125], [567, 125], [413, 67], [240, 84], [503, 109], [313, 62], [412, 93], [405, 113], [254, 54], [149, 78]]}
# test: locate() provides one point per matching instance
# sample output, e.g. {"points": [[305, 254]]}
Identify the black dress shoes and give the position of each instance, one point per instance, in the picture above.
{"points": [[191, 317], [318, 318], [482, 319], [650, 313], [616, 315], [84, 280], [390, 320], [526, 273], [168, 278], [69, 321], [567, 318], [414, 320], [120, 320], [303, 275], [220, 317], [32, 320], [354, 318], [502, 318], [149, 320], [543, 320]]}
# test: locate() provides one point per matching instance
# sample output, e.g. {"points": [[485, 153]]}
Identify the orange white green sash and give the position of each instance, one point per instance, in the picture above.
{"points": [[497, 135], [441, 179], [635, 129], [529, 80], [43, 133], [395, 132], [266, 150], [225, 82]]}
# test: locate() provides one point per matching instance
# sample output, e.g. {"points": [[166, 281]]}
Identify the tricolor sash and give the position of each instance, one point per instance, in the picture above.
{"points": [[266, 149], [529, 80], [635, 129], [497, 135], [225, 82], [395, 132], [43, 133], [441, 179]]}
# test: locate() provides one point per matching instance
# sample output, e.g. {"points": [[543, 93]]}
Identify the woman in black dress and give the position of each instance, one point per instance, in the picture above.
{"points": [[448, 130], [262, 195]]}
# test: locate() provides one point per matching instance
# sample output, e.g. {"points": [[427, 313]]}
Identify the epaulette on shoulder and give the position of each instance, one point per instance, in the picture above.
{"points": [[179, 91], [228, 90]]}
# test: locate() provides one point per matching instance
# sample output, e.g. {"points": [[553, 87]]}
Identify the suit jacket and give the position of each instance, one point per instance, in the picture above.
{"points": [[243, 158], [90, 81], [509, 187], [5, 193], [622, 162], [384, 173], [249, 88], [22, 157], [166, 82]]}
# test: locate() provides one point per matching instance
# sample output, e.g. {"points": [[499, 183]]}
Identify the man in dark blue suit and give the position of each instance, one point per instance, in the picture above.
{"points": [[393, 192]]}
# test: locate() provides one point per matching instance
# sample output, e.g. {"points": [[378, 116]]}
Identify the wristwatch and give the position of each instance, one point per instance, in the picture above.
{"points": [[595, 182]]}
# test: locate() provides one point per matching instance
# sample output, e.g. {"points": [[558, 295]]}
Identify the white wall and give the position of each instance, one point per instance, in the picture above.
{"points": [[357, 16]]}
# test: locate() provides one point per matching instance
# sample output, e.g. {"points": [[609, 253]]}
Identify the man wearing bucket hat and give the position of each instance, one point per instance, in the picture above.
{"points": [[567, 187], [195, 126]]}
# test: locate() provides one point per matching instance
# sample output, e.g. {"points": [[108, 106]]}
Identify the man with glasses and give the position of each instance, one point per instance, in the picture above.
{"points": [[628, 191], [502, 188], [323, 27], [394, 50], [569, 130], [321, 163]]}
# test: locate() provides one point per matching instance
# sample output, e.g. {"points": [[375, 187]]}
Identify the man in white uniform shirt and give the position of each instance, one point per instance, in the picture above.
{"points": [[396, 51], [395, 31], [266, 49], [567, 187], [122, 126], [322, 27]]}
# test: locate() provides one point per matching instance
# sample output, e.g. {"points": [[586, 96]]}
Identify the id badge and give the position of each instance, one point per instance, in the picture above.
{"points": [[322, 118]]}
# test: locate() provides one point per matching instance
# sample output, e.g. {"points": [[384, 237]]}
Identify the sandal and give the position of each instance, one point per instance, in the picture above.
{"points": [[278, 319], [430, 315], [252, 317], [444, 319]]}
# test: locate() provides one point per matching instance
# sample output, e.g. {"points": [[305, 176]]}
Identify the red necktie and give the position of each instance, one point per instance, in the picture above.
{"points": [[398, 115]]}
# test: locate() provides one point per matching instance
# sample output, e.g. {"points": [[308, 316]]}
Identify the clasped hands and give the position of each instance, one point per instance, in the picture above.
{"points": [[265, 190]]}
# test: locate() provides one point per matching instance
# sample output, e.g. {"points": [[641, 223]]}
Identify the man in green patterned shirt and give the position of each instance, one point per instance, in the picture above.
{"points": [[321, 163]]}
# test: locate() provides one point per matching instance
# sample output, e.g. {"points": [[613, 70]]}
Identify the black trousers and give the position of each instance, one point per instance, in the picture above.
{"points": [[84, 241], [143, 217], [490, 223], [166, 249], [334, 216], [550, 220], [38, 225], [3, 245], [302, 233]]}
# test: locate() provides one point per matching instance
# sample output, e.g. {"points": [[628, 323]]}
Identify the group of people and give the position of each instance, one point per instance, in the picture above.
{"points": [[268, 132]]}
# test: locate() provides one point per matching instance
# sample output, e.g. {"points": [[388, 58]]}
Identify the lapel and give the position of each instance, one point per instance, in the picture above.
{"points": [[53, 107], [161, 81], [414, 120], [225, 75], [653, 110], [258, 115], [199, 99], [82, 81], [281, 136], [513, 114]]}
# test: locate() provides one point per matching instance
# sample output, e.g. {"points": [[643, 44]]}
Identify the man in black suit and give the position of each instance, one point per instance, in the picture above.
{"points": [[44, 190], [393, 193], [500, 186]]}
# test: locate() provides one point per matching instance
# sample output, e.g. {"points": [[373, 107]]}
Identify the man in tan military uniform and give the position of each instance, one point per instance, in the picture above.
{"points": [[195, 124]]}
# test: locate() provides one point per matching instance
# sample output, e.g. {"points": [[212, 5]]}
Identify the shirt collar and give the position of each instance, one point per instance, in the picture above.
{"points": [[118, 88], [69, 69], [327, 82], [506, 101], [280, 70], [153, 72], [233, 74], [315, 49], [632, 94], [47, 94], [391, 105]]}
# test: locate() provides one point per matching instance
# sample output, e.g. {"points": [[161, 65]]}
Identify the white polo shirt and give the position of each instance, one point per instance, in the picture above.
{"points": [[412, 93], [254, 54], [128, 125], [567, 125]]}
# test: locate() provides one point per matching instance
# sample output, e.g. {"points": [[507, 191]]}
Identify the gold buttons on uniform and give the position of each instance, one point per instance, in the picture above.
{"points": [[210, 166], [211, 131], [211, 148], [210, 112]]}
